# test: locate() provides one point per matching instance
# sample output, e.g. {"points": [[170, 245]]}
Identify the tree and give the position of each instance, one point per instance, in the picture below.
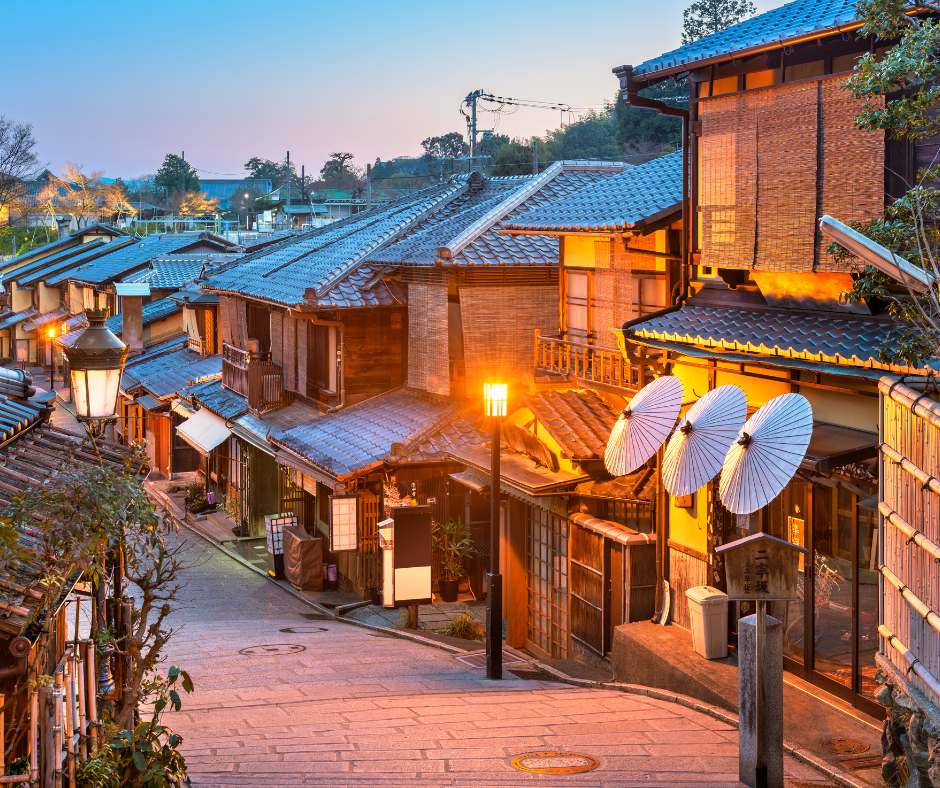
{"points": [[176, 175], [115, 200], [243, 200], [83, 195], [198, 204], [276, 172], [909, 72], [705, 17], [18, 158], [517, 158], [48, 201], [447, 146], [337, 167]]}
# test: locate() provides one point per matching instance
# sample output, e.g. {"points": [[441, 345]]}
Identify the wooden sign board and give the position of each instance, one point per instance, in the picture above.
{"points": [[761, 567], [412, 555]]}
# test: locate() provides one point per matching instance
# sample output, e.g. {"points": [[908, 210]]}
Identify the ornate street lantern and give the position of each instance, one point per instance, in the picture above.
{"points": [[96, 360], [495, 397]]}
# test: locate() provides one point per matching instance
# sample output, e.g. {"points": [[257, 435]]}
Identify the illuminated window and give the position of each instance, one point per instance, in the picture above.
{"points": [[344, 519]]}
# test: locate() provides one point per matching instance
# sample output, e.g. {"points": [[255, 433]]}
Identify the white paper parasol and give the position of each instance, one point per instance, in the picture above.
{"points": [[768, 451], [697, 449], [643, 425]]}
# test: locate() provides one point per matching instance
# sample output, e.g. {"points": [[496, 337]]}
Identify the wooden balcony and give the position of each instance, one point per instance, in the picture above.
{"points": [[600, 366], [266, 390], [235, 369]]}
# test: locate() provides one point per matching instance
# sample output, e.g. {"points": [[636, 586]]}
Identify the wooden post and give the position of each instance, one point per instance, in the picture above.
{"points": [[125, 660], [60, 726], [2, 736], [81, 676], [34, 737], [412, 616], [91, 693], [47, 738]]}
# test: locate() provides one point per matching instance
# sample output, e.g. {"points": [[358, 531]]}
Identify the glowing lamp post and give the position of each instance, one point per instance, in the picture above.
{"points": [[495, 406], [96, 360], [51, 358]]}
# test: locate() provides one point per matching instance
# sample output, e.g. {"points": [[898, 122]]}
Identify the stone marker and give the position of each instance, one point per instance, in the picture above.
{"points": [[771, 707]]}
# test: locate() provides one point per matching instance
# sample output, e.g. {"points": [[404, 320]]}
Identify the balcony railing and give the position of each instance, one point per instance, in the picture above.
{"points": [[266, 390], [196, 345], [255, 376], [602, 365]]}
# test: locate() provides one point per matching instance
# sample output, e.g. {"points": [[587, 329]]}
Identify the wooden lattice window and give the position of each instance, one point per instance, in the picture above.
{"points": [[547, 564]]}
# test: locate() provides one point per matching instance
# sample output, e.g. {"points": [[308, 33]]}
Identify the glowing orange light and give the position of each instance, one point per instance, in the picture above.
{"points": [[51, 333], [495, 396]]}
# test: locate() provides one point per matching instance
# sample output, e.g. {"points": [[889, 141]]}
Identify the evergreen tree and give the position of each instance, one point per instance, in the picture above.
{"points": [[176, 175], [705, 17]]}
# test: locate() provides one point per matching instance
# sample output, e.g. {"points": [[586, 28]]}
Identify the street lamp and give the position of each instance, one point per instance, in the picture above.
{"points": [[96, 360], [495, 399], [51, 359]]}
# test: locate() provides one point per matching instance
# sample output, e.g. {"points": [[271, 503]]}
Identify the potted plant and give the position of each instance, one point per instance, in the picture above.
{"points": [[451, 540]]}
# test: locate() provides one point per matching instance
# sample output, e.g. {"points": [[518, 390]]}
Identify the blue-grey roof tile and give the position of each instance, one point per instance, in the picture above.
{"points": [[616, 203], [794, 19], [221, 401]]}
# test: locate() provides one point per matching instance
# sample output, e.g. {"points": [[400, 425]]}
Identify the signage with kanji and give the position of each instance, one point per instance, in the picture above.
{"points": [[761, 567]]}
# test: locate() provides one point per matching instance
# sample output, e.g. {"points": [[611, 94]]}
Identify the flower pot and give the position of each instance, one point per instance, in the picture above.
{"points": [[448, 590], [375, 595]]}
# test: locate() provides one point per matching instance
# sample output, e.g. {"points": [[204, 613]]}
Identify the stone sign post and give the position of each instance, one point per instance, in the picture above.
{"points": [[761, 568]]}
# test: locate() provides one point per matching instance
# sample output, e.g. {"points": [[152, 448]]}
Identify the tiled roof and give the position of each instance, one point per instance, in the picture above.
{"points": [[54, 266], [776, 333], [283, 272], [54, 316], [615, 203], [221, 401], [172, 271], [149, 403], [150, 313], [165, 374], [15, 318], [579, 421], [17, 414], [640, 485], [23, 273], [133, 256], [362, 435], [70, 241], [794, 19]]}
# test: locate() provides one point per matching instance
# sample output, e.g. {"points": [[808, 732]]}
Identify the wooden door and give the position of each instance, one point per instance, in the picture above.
{"points": [[588, 589], [614, 580]]}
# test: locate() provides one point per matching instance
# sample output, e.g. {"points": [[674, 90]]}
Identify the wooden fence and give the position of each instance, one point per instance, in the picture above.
{"points": [[910, 508]]}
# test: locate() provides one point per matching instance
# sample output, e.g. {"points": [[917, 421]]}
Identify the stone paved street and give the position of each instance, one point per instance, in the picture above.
{"points": [[283, 699]]}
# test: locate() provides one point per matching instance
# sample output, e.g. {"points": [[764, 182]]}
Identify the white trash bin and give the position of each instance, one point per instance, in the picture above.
{"points": [[708, 609]]}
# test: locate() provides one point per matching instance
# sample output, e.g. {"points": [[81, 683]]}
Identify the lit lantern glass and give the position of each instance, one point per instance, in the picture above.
{"points": [[51, 333], [96, 361], [344, 523], [495, 397]]}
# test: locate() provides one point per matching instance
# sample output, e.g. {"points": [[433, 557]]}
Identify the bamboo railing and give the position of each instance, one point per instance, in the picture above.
{"points": [[590, 363]]}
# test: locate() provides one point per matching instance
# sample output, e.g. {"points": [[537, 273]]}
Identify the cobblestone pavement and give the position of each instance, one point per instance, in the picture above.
{"points": [[285, 699]]}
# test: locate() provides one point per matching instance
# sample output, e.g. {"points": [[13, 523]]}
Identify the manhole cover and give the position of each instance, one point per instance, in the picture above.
{"points": [[272, 650], [865, 762], [303, 629], [842, 745], [555, 763], [478, 659]]}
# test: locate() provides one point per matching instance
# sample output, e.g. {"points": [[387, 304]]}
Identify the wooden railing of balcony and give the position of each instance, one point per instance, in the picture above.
{"points": [[235, 369], [591, 363], [266, 390], [196, 345]]}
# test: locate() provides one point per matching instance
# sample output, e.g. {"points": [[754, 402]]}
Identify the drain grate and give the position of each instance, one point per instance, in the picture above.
{"points": [[843, 745], [555, 763], [272, 650], [865, 762], [478, 659], [810, 784]]}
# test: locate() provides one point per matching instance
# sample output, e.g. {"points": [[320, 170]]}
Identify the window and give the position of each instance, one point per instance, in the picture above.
{"points": [[321, 359], [760, 79], [816, 68], [725, 85], [547, 563], [577, 305]]}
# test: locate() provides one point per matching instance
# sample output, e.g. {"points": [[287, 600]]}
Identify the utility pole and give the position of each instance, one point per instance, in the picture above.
{"points": [[183, 175], [368, 187], [535, 157], [471, 99], [288, 191]]}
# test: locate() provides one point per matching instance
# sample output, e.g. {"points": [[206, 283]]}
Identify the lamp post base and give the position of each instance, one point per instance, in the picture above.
{"points": [[494, 626]]}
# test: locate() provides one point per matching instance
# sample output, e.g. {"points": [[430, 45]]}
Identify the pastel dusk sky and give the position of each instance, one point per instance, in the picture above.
{"points": [[114, 86]]}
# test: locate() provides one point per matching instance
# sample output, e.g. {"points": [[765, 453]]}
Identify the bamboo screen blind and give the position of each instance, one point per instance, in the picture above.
{"points": [[774, 160], [428, 367], [915, 438], [499, 325], [613, 285]]}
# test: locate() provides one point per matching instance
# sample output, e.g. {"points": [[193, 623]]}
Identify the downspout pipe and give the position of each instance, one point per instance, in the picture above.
{"points": [[19, 648], [341, 352], [630, 92]]}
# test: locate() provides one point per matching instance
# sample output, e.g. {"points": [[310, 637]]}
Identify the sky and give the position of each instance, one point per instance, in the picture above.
{"points": [[116, 86]]}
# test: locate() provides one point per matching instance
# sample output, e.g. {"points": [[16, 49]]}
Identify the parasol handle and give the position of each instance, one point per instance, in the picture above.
{"points": [[745, 440], [686, 427]]}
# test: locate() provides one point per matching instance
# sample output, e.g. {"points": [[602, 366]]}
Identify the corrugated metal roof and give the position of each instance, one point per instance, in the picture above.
{"points": [[362, 435], [849, 342], [615, 203], [798, 18]]}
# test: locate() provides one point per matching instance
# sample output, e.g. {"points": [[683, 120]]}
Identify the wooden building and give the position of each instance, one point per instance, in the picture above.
{"points": [[772, 146]]}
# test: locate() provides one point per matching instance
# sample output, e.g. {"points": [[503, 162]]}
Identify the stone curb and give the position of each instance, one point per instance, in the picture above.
{"points": [[837, 775]]}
